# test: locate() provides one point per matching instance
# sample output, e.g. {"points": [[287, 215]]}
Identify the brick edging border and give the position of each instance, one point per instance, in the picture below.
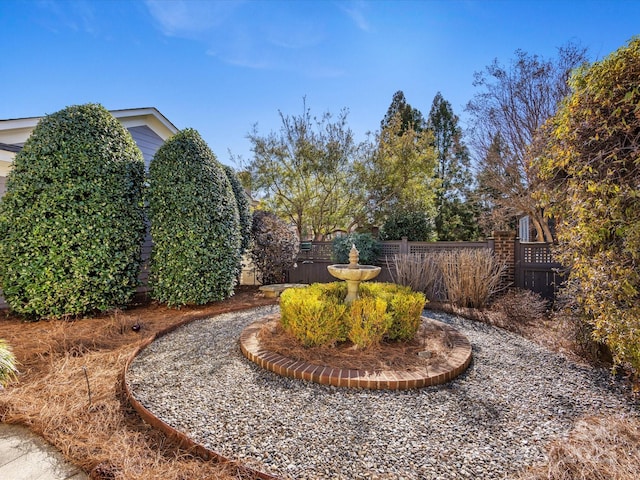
{"points": [[457, 362], [180, 439]]}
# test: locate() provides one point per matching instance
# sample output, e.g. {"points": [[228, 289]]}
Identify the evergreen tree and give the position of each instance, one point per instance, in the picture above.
{"points": [[455, 219], [410, 118]]}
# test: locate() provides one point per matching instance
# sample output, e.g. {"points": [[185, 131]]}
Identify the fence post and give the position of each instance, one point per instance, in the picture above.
{"points": [[404, 246], [504, 249]]}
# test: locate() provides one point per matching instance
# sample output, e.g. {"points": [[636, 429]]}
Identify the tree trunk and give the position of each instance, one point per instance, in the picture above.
{"points": [[543, 232]]}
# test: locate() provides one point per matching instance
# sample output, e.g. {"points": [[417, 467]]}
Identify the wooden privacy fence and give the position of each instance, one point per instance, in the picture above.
{"points": [[311, 265], [528, 265]]}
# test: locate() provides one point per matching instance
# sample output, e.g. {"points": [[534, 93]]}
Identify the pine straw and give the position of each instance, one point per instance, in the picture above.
{"points": [[100, 432], [383, 357], [598, 448]]}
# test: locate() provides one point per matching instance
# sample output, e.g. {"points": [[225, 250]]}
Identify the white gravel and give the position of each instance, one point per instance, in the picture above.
{"points": [[489, 423]]}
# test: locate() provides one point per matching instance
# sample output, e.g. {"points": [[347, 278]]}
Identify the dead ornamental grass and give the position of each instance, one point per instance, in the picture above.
{"points": [[467, 277]]}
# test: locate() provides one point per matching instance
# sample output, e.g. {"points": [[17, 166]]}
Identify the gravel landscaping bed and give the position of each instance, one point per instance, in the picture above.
{"points": [[489, 423]]}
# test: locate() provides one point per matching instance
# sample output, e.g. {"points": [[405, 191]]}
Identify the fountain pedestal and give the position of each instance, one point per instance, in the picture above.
{"points": [[353, 273]]}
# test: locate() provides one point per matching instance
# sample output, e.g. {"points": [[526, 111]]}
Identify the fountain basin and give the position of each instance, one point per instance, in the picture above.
{"points": [[360, 274]]}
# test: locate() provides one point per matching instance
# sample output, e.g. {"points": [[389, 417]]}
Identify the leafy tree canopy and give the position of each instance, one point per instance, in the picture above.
{"points": [[513, 103], [399, 172], [592, 164], [305, 173]]}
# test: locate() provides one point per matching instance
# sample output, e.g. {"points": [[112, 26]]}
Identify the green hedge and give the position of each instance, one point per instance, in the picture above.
{"points": [[71, 222], [194, 224]]}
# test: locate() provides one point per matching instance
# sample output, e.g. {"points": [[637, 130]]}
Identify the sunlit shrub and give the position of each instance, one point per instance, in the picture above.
{"points": [[404, 305], [71, 222], [318, 315], [314, 315], [368, 321], [194, 224]]}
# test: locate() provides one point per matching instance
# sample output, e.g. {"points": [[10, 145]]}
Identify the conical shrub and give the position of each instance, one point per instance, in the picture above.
{"points": [[194, 224]]}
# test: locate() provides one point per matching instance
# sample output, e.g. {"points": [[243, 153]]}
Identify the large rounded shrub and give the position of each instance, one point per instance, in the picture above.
{"points": [[242, 202], [368, 247], [275, 246], [194, 224], [71, 222]]}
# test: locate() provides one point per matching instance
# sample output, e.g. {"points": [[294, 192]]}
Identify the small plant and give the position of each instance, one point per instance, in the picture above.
{"points": [[8, 369], [521, 306], [368, 247], [318, 315]]}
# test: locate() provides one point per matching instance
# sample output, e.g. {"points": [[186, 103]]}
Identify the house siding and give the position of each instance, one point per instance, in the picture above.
{"points": [[148, 142]]}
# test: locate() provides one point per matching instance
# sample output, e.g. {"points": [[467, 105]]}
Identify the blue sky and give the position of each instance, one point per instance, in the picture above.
{"points": [[222, 66]]}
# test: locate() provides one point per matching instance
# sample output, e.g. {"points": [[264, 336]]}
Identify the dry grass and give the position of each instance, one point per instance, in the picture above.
{"points": [[463, 277], [598, 448], [92, 424], [420, 271], [383, 357], [471, 276]]}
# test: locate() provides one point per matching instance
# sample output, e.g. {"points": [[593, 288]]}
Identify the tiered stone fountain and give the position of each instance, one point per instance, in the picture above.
{"points": [[353, 273]]}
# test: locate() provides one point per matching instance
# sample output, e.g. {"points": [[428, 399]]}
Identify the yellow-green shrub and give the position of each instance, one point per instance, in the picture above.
{"points": [[314, 315], [317, 315], [368, 321], [404, 305]]}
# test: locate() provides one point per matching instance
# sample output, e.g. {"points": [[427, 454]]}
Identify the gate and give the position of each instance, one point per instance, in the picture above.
{"points": [[535, 269]]}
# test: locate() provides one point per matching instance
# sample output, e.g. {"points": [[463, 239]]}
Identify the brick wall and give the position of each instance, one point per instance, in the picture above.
{"points": [[504, 248]]}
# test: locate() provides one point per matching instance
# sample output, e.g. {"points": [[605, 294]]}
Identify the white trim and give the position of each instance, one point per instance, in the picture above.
{"points": [[17, 130]]}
